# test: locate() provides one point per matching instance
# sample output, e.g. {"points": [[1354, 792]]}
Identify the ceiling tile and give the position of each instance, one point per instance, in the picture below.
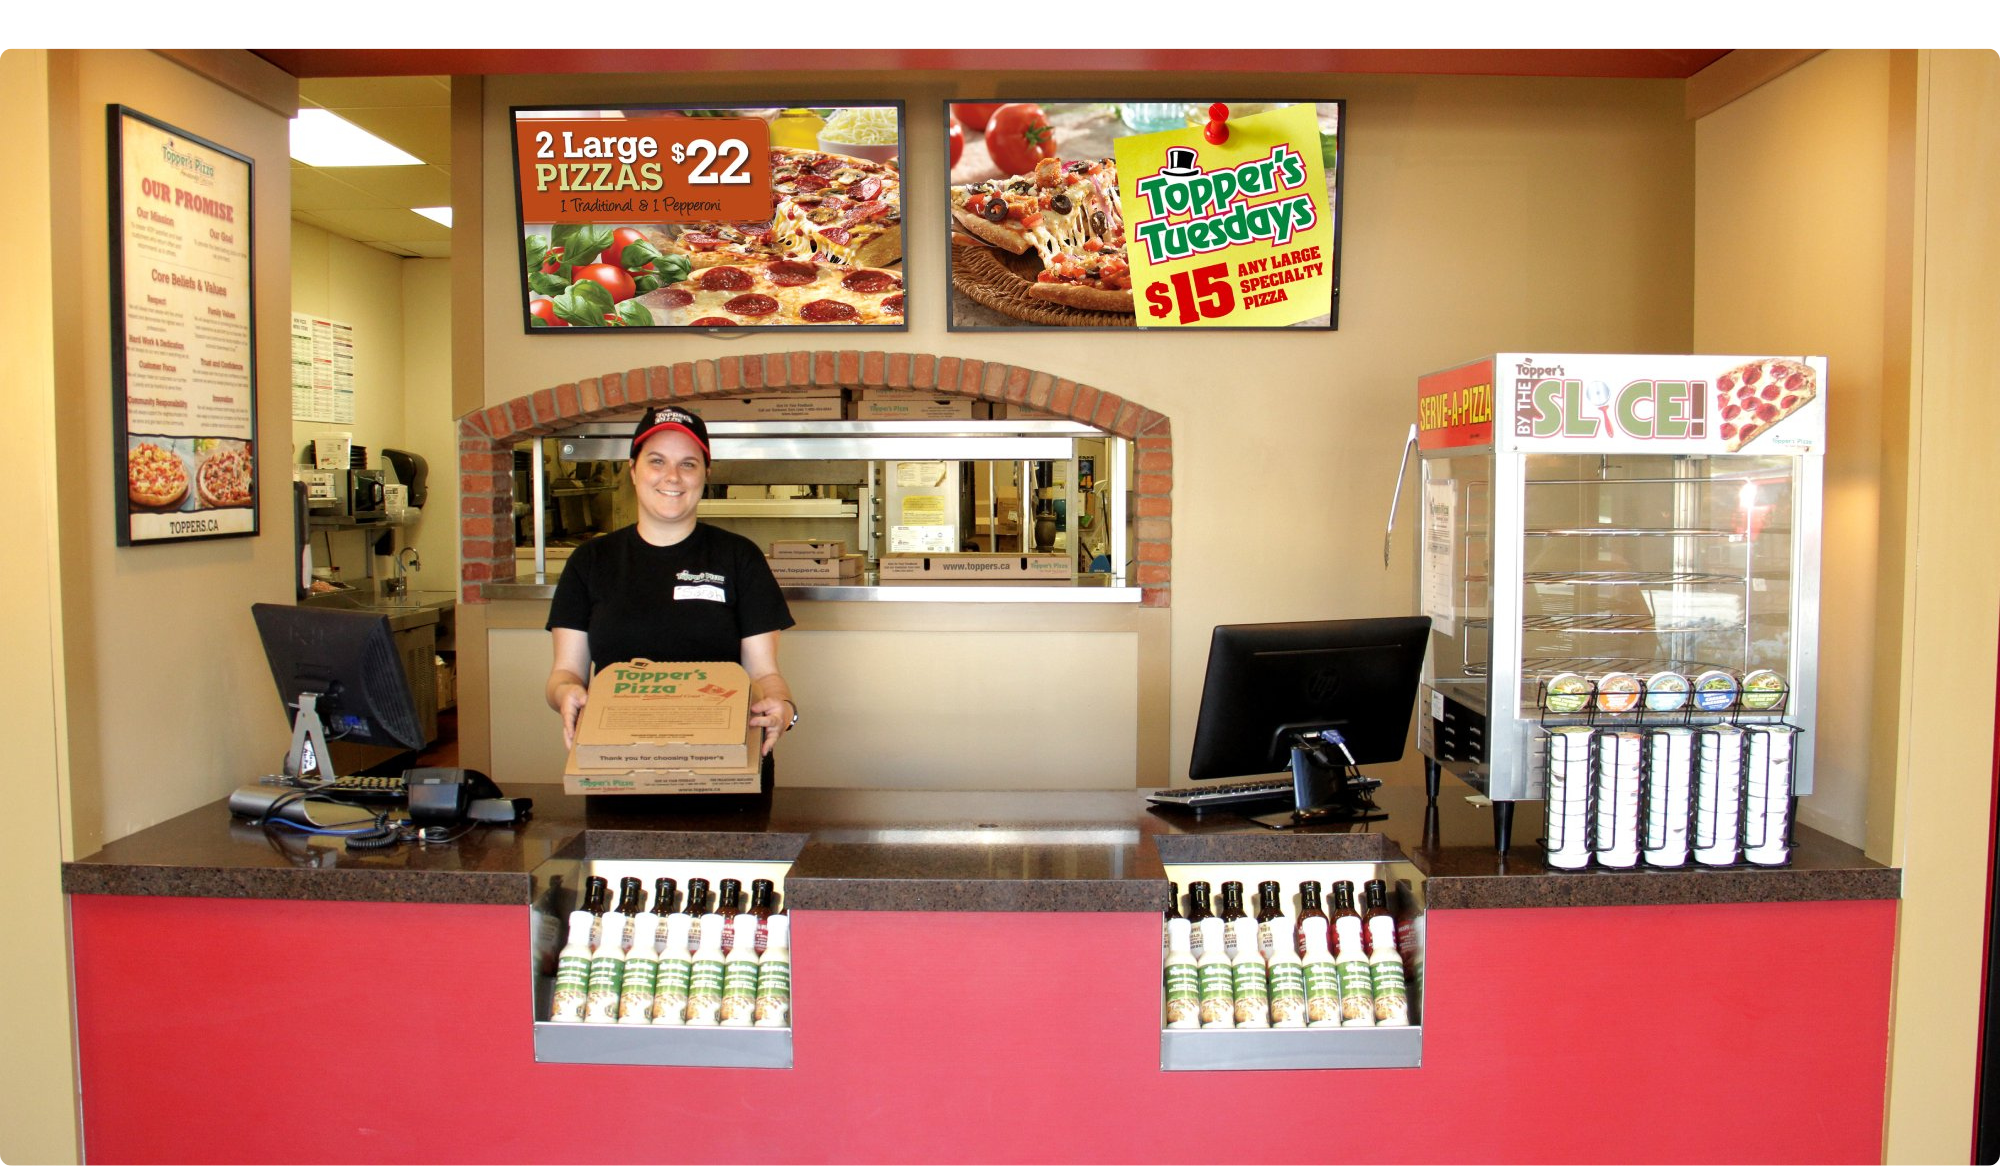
{"points": [[419, 248], [370, 204], [331, 92], [314, 189], [422, 130], [404, 186], [369, 225]]}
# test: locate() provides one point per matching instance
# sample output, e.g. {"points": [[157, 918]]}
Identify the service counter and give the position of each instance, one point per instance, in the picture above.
{"points": [[977, 977]]}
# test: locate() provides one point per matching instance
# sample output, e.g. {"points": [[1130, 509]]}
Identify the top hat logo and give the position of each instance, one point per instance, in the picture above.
{"points": [[1180, 163]]}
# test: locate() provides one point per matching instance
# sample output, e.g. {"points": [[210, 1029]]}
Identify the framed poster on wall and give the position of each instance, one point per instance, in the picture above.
{"points": [[184, 335], [710, 217], [1155, 215]]}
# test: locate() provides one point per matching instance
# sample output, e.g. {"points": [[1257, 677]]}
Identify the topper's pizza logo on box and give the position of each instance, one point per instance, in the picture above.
{"points": [[1663, 410]]}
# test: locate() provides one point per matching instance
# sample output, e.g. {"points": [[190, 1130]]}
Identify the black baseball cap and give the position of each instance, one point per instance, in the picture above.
{"points": [[671, 417]]}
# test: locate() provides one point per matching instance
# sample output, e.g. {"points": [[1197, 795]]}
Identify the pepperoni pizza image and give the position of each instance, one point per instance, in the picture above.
{"points": [[155, 476], [1753, 397], [778, 291], [826, 256], [825, 207]]}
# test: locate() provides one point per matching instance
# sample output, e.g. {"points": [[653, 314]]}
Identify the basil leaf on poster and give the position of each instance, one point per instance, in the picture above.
{"points": [[184, 383], [581, 242], [719, 216], [584, 305]]}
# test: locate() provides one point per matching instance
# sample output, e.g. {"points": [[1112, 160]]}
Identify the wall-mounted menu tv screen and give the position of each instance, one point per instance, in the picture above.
{"points": [[710, 216], [1156, 215]]}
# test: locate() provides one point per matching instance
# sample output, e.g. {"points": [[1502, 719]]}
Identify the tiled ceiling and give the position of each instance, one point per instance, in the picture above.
{"points": [[371, 204]]}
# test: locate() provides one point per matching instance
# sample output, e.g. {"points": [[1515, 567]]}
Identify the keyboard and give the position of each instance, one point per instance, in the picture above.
{"points": [[1213, 796], [354, 788]]}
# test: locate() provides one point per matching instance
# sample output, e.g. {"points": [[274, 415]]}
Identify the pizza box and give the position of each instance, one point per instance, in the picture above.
{"points": [[873, 407], [774, 407], [745, 780], [646, 714], [836, 569], [807, 548], [974, 568]]}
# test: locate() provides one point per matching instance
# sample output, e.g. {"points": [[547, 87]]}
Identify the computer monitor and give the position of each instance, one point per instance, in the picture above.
{"points": [[1319, 698], [337, 672]]}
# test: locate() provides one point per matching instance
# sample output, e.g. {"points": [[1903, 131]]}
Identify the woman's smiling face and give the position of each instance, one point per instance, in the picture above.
{"points": [[668, 477]]}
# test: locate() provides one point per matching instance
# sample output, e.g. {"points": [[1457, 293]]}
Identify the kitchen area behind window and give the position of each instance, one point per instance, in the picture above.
{"points": [[1026, 487]]}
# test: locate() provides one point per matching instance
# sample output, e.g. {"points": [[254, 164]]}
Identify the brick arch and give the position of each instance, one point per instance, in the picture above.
{"points": [[486, 438]]}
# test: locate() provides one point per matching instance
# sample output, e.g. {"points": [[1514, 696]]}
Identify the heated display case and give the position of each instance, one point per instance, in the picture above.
{"points": [[1618, 544]]}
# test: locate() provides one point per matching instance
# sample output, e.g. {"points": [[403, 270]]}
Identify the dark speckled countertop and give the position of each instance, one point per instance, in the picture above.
{"points": [[904, 850]]}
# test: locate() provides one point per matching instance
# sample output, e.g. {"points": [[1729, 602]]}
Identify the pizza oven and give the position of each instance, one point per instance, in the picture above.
{"points": [[1613, 546]]}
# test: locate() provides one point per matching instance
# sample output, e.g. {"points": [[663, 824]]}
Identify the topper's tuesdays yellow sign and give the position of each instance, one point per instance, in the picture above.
{"points": [[1237, 235]]}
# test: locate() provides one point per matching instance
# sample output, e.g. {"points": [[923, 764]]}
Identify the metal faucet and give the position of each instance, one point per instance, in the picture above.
{"points": [[400, 584]]}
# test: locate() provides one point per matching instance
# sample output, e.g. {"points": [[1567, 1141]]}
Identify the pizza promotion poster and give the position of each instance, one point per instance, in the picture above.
{"points": [[1609, 403], [1231, 235], [184, 405], [1046, 205], [710, 217]]}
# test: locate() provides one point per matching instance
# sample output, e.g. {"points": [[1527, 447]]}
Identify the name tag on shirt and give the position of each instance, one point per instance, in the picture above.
{"points": [[707, 591]]}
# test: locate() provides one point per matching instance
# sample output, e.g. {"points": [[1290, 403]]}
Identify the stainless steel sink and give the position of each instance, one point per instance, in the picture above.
{"points": [[413, 609]]}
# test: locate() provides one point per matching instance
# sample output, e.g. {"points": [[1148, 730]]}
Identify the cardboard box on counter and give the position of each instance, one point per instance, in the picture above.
{"points": [[975, 568], [746, 780], [807, 548], [911, 405], [773, 407], [835, 569], [650, 715]]}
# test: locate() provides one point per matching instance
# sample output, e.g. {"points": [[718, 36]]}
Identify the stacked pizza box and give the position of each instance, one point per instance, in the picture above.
{"points": [[983, 569], [796, 562], [652, 728], [776, 407], [911, 405]]}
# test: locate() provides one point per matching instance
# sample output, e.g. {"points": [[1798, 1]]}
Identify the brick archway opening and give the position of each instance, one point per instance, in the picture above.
{"points": [[486, 438]]}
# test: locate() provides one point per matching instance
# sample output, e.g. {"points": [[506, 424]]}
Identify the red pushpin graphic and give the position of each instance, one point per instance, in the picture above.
{"points": [[1217, 129]]}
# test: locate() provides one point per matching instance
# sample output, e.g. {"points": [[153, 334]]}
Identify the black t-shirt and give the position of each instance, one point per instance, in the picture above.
{"points": [[696, 600]]}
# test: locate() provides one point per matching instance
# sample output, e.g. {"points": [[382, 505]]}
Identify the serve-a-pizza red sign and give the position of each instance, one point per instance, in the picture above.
{"points": [[1455, 407], [1612, 403]]}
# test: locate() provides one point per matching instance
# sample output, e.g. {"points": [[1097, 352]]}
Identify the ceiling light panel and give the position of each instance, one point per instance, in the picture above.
{"points": [[320, 138]]}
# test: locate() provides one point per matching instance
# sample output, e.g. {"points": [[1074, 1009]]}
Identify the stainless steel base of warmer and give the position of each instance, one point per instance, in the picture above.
{"points": [[1292, 1048], [617, 1044]]}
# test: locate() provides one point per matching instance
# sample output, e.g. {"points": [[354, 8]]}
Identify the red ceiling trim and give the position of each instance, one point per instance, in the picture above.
{"points": [[1608, 63]]}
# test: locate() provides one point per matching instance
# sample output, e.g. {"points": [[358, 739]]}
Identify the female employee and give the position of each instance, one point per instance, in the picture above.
{"points": [[669, 588]]}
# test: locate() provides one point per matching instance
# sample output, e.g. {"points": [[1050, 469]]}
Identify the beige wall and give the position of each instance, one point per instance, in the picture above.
{"points": [[430, 428], [1482, 214], [37, 1106], [1949, 628], [1858, 187], [1791, 192], [96, 747], [140, 751]]}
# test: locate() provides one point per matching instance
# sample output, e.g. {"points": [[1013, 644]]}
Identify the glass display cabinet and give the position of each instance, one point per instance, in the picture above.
{"points": [[1613, 544]]}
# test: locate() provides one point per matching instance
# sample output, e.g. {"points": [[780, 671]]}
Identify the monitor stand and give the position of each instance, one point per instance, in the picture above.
{"points": [[1325, 791], [309, 751]]}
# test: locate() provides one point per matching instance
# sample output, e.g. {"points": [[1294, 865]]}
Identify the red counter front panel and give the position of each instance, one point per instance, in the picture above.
{"points": [[263, 1031]]}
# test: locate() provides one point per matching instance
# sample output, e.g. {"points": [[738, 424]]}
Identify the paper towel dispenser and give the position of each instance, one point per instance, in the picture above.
{"points": [[410, 471]]}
